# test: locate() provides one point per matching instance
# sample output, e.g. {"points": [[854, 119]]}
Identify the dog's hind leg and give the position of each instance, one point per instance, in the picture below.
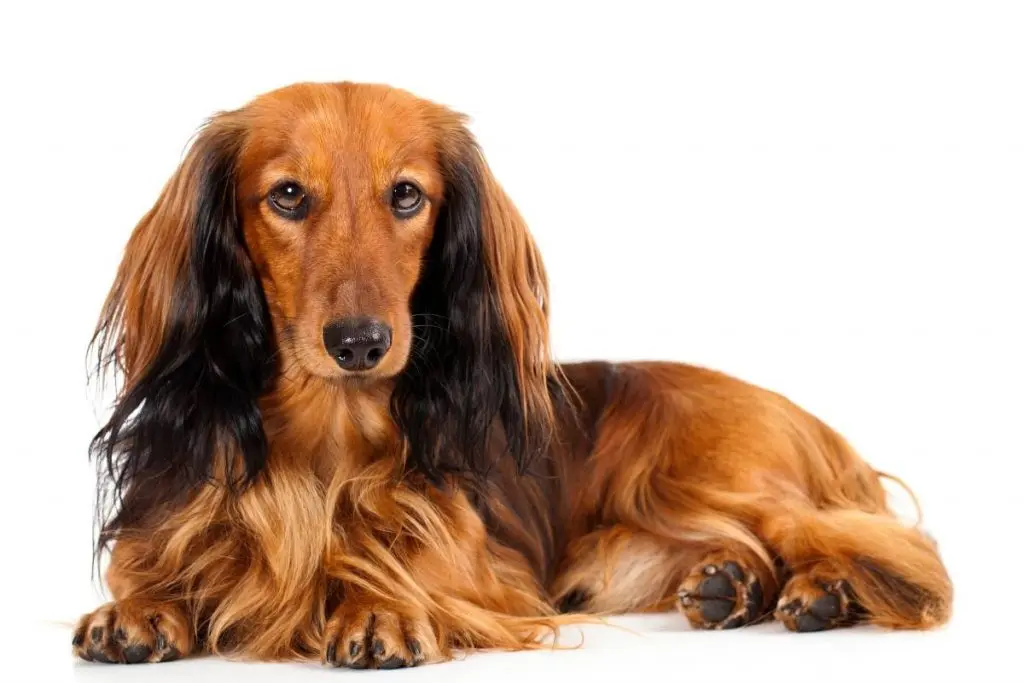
{"points": [[716, 583], [850, 565]]}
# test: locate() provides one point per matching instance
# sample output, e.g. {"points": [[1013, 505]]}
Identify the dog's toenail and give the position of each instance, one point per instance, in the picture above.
{"points": [[808, 623], [332, 652], [378, 648], [735, 622], [826, 607], [414, 647], [136, 653], [96, 634], [395, 662], [78, 639], [161, 641], [171, 655], [354, 649]]}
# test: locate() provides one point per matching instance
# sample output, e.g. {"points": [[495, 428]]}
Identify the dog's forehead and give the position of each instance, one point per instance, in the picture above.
{"points": [[319, 122]]}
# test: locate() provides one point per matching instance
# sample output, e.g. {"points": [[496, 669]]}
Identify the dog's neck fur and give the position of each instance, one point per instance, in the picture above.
{"points": [[323, 425]]}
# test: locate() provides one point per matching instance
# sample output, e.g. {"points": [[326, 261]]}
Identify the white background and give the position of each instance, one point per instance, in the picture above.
{"points": [[822, 198]]}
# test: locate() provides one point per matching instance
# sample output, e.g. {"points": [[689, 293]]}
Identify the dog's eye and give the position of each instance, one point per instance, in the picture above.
{"points": [[288, 200], [406, 200]]}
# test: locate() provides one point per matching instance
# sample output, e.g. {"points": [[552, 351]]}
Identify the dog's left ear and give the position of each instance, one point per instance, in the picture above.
{"points": [[480, 382]]}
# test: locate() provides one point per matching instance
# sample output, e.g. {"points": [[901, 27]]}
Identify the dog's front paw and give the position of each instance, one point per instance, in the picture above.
{"points": [[817, 601], [721, 592], [132, 632], [365, 635]]}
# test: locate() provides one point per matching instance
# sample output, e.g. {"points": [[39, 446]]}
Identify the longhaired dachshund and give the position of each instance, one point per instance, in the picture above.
{"points": [[339, 433]]}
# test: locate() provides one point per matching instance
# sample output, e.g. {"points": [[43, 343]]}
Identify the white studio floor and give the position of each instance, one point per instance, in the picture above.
{"points": [[646, 648]]}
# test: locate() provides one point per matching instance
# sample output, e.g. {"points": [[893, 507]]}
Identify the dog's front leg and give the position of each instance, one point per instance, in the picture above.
{"points": [[369, 632], [430, 582]]}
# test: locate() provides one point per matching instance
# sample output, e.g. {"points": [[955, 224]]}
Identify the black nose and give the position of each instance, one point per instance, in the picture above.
{"points": [[357, 343]]}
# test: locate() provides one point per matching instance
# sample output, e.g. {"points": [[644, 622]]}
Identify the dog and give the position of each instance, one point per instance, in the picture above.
{"points": [[339, 433]]}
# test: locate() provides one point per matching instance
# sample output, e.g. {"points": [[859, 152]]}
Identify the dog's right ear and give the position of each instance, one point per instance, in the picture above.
{"points": [[186, 326]]}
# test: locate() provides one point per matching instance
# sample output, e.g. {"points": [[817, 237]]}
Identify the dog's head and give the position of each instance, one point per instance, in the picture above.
{"points": [[351, 234]]}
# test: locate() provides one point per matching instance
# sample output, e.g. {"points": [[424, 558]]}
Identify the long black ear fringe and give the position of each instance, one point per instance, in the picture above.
{"points": [[458, 402], [196, 402]]}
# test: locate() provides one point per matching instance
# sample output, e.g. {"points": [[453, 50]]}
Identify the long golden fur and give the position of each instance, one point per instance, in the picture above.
{"points": [[261, 499]]}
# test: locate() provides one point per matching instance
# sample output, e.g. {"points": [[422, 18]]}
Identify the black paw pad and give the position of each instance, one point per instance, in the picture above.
{"points": [[822, 613], [718, 597], [727, 595], [832, 609]]}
